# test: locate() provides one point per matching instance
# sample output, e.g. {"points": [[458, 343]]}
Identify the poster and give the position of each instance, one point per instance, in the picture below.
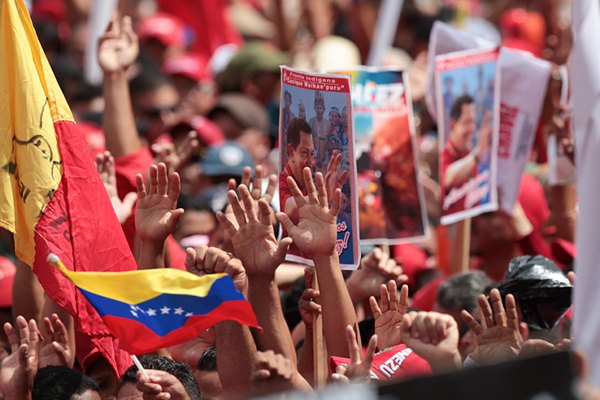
{"points": [[320, 104], [391, 203], [523, 82], [467, 94], [561, 169]]}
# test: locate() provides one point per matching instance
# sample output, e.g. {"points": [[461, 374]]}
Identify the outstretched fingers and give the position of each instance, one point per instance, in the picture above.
{"points": [[309, 184]]}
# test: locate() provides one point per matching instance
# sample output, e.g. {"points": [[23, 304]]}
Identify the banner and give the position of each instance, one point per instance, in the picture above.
{"points": [[318, 110], [391, 203], [561, 170], [468, 109], [524, 79]]}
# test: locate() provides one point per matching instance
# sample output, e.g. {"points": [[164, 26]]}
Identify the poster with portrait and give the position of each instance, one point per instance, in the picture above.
{"points": [[315, 127], [391, 203], [468, 121]]}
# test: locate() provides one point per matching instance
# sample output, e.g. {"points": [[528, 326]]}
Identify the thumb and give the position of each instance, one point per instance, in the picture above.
{"points": [[282, 249], [190, 257], [130, 199]]}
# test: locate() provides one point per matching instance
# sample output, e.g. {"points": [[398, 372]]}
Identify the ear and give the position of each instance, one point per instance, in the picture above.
{"points": [[290, 150]]}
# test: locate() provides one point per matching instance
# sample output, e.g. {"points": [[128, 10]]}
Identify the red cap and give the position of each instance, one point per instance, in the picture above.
{"points": [[189, 65], [7, 277], [392, 364], [523, 30], [533, 201], [166, 28]]}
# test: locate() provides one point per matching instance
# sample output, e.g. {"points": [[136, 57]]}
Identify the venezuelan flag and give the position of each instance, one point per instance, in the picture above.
{"points": [[51, 196], [151, 309]]}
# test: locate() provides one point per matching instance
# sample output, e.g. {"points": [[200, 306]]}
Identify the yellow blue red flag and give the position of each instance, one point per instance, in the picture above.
{"points": [[151, 309]]}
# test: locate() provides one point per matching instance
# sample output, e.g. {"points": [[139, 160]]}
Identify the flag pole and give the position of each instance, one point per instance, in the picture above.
{"points": [[459, 253]]}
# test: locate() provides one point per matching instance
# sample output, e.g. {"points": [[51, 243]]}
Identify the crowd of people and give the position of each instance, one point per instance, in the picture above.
{"points": [[183, 129]]}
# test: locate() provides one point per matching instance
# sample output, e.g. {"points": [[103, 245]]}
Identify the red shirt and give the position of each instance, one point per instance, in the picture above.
{"points": [[450, 155]]}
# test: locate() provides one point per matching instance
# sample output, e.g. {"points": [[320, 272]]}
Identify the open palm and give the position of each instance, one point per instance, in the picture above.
{"points": [[156, 216], [388, 314], [119, 46]]}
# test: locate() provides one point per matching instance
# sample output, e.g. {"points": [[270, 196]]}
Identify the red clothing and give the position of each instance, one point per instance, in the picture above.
{"points": [[449, 156], [126, 168], [284, 194]]}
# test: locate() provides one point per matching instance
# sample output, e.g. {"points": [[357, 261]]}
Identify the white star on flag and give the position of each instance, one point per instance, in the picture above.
{"points": [[151, 312], [189, 314], [165, 310], [179, 311]]}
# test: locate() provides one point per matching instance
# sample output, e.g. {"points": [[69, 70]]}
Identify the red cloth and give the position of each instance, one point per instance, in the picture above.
{"points": [[126, 168], [412, 259], [209, 21], [7, 277], [449, 156], [80, 226], [395, 363], [424, 299]]}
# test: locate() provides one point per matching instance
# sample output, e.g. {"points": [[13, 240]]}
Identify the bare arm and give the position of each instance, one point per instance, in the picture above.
{"points": [[460, 171], [117, 50]]}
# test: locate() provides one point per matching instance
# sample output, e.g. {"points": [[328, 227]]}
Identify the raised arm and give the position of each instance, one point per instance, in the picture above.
{"points": [[315, 234], [117, 50]]}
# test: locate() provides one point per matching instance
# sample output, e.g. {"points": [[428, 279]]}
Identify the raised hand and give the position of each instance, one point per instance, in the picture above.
{"points": [[376, 268], [484, 138], [156, 216], [309, 300], [434, 337], [160, 385], [177, 158], [18, 369], [333, 179], [105, 164], [359, 368], [119, 46], [253, 240], [206, 260], [388, 314], [55, 348], [498, 335], [316, 231]]}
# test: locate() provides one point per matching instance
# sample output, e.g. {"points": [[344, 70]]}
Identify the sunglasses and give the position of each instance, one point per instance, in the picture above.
{"points": [[155, 113]]}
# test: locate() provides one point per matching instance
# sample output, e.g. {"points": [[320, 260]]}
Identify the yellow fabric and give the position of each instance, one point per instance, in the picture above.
{"points": [[138, 286], [30, 103]]}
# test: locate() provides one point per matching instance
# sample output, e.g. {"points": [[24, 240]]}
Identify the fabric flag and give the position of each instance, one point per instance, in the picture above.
{"points": [[585, 67], [151, 309], [51, 196]]}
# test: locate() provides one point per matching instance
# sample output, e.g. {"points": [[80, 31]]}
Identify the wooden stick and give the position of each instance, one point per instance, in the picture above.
{"points": [[319, 362], [459, 257]]}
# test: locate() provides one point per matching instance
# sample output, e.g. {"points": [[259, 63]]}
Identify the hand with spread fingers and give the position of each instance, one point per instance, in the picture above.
{"points": [[253, 239], [204, 260], [175, 158], [55, 347], [18, 369], [377, 267], [118, 48], [434, 337], [156, 215], [316, 230], [498, 335], [105, 164], [359, 368], [388, 313]]}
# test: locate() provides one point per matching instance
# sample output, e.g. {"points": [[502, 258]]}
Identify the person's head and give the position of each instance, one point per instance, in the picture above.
{"points": [[462, 122], [492, 232], [207, 375], [460, 293], [154, 100], [179, 370], [162, 36], [334, 116], [300, 148], [319, 105], [62, 383], [287, 99], [301, 110], [198, 225]]}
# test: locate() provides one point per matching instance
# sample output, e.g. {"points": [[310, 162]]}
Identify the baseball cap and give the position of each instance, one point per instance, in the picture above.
{"points": [[209, 133], [391, 364], [166, 28], [254, 57], [189, 65], [248, 112], [228, 158], [7, 277]]}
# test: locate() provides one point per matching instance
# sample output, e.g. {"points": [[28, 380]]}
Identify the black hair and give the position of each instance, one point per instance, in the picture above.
{"points": [[208, 361], [461, 291], [296, 126], [457, 106], [179, 370], [151, 78], [60, 383]]}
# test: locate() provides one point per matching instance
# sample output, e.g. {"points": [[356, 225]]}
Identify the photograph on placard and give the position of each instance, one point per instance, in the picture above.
{"points": [[390, 196], [315, 128], [468, 117]]}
